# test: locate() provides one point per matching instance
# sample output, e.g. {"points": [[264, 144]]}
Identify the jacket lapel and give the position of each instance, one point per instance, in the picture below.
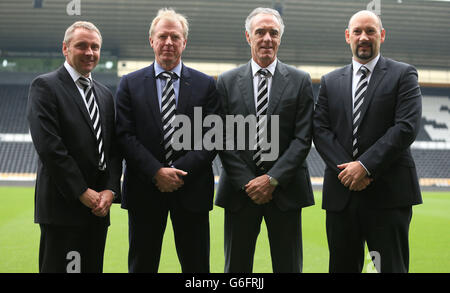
{"points": [[151, 96], [100, 98], [377, 75], [185, 90], [347, 97], [72, 88], [279, 82], [245, 83]]}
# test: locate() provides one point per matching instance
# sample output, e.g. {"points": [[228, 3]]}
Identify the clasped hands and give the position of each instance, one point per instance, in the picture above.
{"points": [[259, 189], [98, 202], [169, 179], [354, 176]]}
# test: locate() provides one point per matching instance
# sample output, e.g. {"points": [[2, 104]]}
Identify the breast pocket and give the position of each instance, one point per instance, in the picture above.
{"points": [[288, 103], [388, 98], [383, 106]]}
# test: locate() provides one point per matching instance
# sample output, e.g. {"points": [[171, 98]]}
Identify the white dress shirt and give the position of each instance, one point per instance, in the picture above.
{"points": [[357, 73], [75, 76], [356, 77], [161, 82], [257, 77]]}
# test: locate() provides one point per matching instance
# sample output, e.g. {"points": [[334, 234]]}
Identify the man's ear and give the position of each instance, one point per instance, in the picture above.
{"points": [[64, 49], [150, 41], [383, 35], [247, 36], [347, 36]]}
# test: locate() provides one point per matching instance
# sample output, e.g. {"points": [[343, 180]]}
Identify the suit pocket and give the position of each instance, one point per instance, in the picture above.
{"points": [[288, 103], [406, 162], [287, 106], [302, 180], [384, 98]]}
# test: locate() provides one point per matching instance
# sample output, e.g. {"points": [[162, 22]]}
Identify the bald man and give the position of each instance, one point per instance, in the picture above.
{"points": [[366, 117]]}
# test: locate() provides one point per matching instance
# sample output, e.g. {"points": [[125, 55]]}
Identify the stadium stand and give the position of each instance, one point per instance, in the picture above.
{"points": [[431, 151], [17, 157], [437, 118], [13, 101], [423, 135]]}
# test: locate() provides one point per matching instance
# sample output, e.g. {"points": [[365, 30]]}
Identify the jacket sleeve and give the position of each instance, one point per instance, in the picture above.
{"points": [[195, 160], [237, 170], [115, 156], [132, 149], [43, 117], [325, 140], [291, 159], [408, 113]]}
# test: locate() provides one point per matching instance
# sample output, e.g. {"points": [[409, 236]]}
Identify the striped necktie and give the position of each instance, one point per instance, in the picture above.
{"points": [[361, 89], [95, 118], [168, 108], [262, 103]]}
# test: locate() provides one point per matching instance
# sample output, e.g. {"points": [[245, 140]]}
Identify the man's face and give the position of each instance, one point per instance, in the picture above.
{"points": [[264, 39], [83, 50], [168, 43], [364, 36]]}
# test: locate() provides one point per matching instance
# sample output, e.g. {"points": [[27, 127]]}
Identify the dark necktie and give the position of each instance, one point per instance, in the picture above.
{"points": [[357, 106], [95, 118], [261, 111], [168, 107]]}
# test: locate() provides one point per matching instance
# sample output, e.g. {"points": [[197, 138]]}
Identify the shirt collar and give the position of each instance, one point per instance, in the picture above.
{"points": [[370, 65], [176, 69], [75, 74], [270, 68]]}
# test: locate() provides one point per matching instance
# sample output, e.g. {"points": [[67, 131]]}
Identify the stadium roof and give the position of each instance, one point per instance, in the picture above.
{"points": [[418, 32]]}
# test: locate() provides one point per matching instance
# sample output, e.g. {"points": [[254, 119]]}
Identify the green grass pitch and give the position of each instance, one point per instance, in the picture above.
{"points": [[19, 237]]}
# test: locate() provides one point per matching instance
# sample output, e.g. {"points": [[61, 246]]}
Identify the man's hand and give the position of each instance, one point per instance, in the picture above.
{"points": [[354, 176], [169, 179], [259, 189], [361, 184], [90, 198], [106, 199]]}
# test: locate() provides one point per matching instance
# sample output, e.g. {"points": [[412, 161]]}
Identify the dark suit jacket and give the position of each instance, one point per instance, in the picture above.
{"points": [[139, 130], [390, 121], [291, 98], [64, 139]]}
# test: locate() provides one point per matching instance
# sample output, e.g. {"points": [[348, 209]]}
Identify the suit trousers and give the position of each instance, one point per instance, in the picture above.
{"points": [[284, 231], [146, 231], [66, 249], [384, 230]]}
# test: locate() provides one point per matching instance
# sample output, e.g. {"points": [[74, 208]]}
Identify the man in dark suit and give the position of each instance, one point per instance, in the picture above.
{"points": [[366, 117], [252, 188], [71, 119], [160, 178]]}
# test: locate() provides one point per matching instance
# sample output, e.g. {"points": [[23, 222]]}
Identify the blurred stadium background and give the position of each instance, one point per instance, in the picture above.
{"points": [[31, 33]]}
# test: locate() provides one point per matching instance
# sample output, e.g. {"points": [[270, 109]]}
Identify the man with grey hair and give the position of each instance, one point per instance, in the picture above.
{"points": [[252, 188], [367, 115], [158, 178], [71, 118]]}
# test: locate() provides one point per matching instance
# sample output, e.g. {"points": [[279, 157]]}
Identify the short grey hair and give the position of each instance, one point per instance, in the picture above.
{"points": [[80, 24], [170, 14], [263, 10]]}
